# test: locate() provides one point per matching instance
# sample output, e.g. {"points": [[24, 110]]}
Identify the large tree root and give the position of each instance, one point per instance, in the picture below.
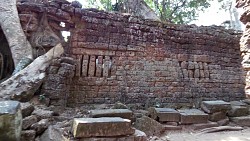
{"points": [[219, 129], [23, 84]]}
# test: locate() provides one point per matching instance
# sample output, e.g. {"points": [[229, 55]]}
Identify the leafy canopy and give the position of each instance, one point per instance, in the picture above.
{"points": [[176, 11]]}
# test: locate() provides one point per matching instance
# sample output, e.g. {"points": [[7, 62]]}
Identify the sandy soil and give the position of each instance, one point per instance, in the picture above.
{"points": [[243, 135]]}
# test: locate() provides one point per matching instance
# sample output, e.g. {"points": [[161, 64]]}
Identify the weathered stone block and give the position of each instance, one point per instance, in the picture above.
{"points": [[215, 106], [137, 136], [191, 116], [242, 121], [101, 127], [237, 111], [10, 121], [123, 113], [164, 114]]}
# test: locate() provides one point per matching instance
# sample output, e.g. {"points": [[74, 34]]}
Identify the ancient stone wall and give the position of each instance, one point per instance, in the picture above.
{"points": [[123, 58]]}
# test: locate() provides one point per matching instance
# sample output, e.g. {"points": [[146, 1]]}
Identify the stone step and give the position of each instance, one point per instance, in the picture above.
{"points": [[123, 113], [101, 127], [242, 121], [215, 106], [191, 116], [164, 114]]}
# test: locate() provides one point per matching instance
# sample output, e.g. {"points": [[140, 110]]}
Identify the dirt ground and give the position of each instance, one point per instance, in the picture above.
{"points": [[243, 135]]}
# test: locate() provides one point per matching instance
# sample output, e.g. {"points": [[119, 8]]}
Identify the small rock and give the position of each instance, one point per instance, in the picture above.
{"points": [[119, 105], [28, 135], [43, 114], [28, 121], [40, 126], [27, 109], [149, 126]]}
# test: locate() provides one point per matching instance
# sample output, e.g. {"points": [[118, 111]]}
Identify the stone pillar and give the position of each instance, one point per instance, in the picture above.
{"points": [[10, 121], [245, 42]]}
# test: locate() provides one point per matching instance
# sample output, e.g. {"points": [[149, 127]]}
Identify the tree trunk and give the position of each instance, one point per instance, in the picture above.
{"points": [[141, 9], [10, 24], [24, 84]]}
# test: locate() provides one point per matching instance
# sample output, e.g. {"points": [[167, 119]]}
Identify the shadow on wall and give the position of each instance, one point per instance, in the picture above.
{"points": [[6, 61]]}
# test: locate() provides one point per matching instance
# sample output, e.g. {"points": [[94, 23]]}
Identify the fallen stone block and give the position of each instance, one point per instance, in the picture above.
{"points": [[192, 116], [101, 127], [217, 116], [215, 106], [10, 121], [242, 121], [164, 114], [123, 113], [27, 109], [28, 135], [28, 121], [137, 136], [237, 111], [150, 126]]}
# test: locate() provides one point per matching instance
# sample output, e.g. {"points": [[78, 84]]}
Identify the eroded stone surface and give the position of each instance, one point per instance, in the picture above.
{"points": [[215, 106], [191, 116], [101, 127]]}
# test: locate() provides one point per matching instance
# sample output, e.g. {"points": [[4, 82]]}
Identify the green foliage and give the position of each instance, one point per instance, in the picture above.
{"points": [[176, 11]]}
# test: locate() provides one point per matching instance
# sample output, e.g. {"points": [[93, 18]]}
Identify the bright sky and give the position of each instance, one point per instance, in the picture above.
{"points": [[212, 15]]}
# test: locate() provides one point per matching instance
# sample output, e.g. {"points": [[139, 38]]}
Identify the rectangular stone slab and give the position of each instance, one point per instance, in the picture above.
{"points": [[191, 116], [101, 127], [123, 113], [215, 106], [164, 114]]}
